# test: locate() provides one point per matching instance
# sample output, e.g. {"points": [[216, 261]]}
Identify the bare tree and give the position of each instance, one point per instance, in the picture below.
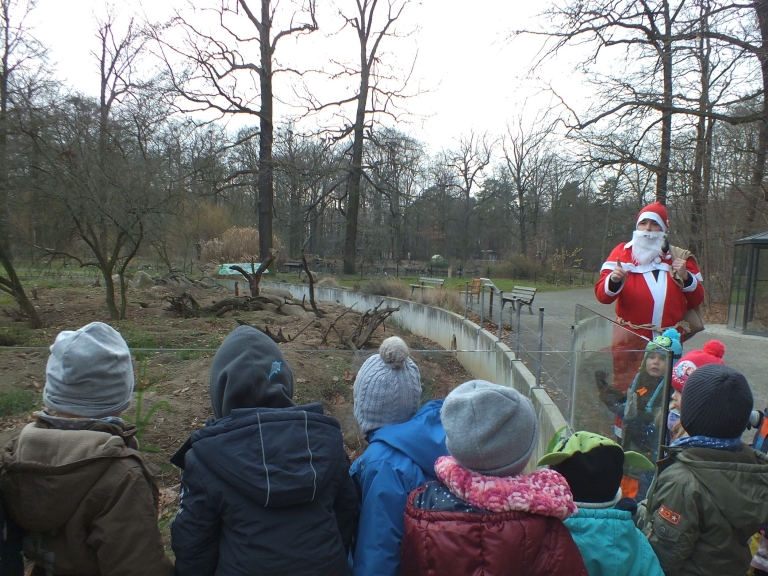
{"points": [[18, 52], [526, 157], [221, 77], [650, 33], [468, 163], [373, 22], [104, 173]]}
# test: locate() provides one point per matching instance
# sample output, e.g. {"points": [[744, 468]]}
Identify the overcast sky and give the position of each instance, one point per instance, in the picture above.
{"points": [[473, 78]]}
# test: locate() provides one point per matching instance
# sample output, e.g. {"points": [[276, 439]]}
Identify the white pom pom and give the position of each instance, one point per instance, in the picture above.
{"points": [[394, 351]]}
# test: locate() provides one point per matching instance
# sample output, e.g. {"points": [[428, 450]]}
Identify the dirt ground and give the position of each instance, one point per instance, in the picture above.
{"points": [[172, 358]]}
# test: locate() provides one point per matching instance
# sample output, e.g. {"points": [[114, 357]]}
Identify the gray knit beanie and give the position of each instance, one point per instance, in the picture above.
{"points": [[716, 402], [489, 429], [388, 387], [89, 372]]}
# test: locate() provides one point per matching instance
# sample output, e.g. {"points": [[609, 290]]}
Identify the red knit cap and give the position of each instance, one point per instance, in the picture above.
{"points": [[713, 353], [656, 212]]}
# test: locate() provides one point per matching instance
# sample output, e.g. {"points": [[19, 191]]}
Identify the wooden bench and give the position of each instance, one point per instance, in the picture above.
{"points": [[474, 288], [292, 267], [520, 296], [428, 283]]}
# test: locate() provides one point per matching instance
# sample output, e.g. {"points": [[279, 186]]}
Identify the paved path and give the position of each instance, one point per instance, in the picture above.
{"points": [[748, 354]]}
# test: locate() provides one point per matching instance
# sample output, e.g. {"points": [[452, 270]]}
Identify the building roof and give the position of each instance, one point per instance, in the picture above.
{"points": [[761, 238]]}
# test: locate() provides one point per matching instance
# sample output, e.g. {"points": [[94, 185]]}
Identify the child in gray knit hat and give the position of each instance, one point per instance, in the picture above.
{"points": [[73, 479], [404, 443], [502, 520]]}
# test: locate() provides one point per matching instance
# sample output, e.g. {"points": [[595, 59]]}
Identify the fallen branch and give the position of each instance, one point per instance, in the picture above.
{"points": [[184, 305], [278, 337], [367, 325], [333, 324]]}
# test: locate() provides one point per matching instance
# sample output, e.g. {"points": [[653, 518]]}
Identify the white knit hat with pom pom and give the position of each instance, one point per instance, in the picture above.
{"points": [[388, 387]]}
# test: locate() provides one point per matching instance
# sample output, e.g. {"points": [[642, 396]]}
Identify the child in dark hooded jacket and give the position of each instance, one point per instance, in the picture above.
{"points": [[266, 486]]}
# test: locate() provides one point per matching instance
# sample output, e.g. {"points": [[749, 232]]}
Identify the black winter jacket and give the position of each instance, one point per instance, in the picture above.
{"points": [[265, 491]]}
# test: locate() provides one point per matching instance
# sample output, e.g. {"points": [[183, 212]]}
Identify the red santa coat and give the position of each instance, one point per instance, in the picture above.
{"points": [[644, 298]]}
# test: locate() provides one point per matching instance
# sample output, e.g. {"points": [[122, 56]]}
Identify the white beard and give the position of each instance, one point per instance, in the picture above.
{"points": [[646, 246]]}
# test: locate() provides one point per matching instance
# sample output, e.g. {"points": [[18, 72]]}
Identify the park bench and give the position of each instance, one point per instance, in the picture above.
{"points": [[292, 267], [474, 288], [520, 296], [428, 283]]}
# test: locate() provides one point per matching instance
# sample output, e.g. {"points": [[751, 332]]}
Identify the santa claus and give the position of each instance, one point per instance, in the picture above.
{"points": [[653, 285]]}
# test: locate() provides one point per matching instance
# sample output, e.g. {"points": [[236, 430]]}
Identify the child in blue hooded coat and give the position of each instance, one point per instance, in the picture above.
{"points": [[404, 443]]}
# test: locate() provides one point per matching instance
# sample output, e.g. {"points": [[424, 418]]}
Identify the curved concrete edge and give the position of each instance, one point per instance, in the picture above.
{"points": [[481, 353]]}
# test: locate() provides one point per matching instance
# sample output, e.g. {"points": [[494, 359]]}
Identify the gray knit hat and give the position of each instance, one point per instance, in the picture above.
{"points": [[89, 372], [388, 387], [489, 429], [717, 402]]}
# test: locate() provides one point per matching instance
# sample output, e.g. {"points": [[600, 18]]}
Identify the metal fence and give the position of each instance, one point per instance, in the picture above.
{"points": [[540, 341]]}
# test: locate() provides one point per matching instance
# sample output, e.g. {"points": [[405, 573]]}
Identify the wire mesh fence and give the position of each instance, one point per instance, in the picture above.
{"points": [[542, 342]]}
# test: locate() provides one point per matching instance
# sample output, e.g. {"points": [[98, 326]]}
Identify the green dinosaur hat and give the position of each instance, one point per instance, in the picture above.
{"points": [[593, 465]]}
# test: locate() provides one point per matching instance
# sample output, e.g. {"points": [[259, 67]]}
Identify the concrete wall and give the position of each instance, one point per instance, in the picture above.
{"points": [[482, 354]]}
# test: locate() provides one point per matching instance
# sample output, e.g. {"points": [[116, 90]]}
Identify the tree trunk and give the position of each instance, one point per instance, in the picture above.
{"points": [[758, 172], [265, 183], [109, 285], [356, 170], [698, 199], [18, 293], [662, 175]]}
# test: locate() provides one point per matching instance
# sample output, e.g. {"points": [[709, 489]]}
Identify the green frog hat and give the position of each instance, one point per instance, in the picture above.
{"points": [[593, 465]]}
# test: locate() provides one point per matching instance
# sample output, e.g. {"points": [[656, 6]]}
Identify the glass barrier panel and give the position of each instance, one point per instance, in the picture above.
{"points": [[620, 389]]}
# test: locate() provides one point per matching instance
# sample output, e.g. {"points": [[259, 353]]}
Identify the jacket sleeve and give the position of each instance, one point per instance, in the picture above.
{"points": [[195, 529], [694, 293], [124, 532], [384, 491], [347, 509], [672, 522], [603, 290]]}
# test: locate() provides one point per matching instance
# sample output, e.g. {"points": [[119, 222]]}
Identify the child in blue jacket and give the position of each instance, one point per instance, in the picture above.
{"points": [[404, 443]]}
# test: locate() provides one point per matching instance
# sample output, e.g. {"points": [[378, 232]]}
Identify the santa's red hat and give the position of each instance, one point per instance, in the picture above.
{"points": [[713, 353], [656, 212]]}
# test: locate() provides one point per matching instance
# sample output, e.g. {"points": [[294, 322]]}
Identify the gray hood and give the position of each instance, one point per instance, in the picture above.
{"points": [[249, 371]]}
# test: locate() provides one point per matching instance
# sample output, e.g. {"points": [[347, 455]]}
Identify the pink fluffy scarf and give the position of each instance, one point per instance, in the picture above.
{"points": [[543, 492]]}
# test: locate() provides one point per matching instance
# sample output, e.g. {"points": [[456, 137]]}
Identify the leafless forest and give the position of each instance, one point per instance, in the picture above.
{"points": [[156, 165]]}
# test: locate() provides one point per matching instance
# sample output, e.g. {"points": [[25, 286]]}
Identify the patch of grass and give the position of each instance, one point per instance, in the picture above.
{"points": [[137, 336], [141, 421], [20, 334], [18, 402], [191, 354]]}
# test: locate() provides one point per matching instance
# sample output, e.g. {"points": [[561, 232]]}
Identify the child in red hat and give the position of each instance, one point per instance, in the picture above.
{"points": [[712, 353]]}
